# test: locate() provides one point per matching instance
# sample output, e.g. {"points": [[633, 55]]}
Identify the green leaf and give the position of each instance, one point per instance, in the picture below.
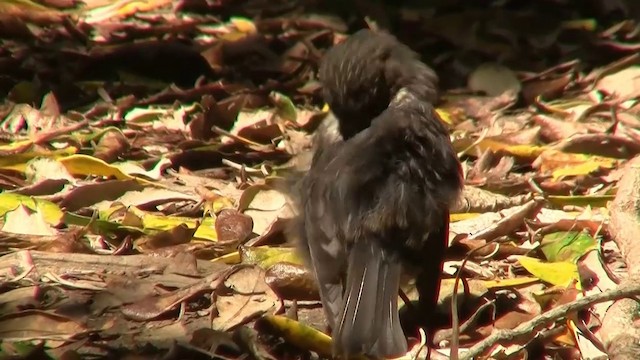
{"points": [[567, 245], [284, 106]]}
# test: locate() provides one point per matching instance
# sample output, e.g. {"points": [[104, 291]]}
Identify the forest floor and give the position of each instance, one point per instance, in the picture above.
{"points": [[145, 147]]}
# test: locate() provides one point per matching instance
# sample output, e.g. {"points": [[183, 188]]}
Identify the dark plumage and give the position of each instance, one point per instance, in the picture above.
{"points": [[361, 75], [375, 200]]}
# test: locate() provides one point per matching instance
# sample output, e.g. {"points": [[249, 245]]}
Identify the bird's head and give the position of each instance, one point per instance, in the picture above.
{"points": [[361, 75]]}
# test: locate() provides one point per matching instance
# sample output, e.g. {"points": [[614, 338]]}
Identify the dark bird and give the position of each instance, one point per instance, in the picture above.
{"points": [[375, 201]]}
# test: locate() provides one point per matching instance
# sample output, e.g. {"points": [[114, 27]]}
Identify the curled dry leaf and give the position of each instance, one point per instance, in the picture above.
{"points": [[180, 234], [111, 146], [292, 281], [233, 227], [548, 88]]}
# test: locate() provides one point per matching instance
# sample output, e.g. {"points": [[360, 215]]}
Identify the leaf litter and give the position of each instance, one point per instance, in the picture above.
{"points": [[145, 147]]}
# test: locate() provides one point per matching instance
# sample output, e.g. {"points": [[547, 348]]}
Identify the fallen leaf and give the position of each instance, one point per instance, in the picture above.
{"points": [[556, 273], [249, 297], [567, 246], [494, 79], [625, 84]]}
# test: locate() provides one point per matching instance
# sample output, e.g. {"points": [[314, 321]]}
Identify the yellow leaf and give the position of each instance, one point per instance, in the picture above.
{"points": [[230, 258], [580, 24], [567, 337], [244, 25], [589, 165], [14, 145], [491, 284], [217, 204], [462, 216], [135, 219], [445, 116], [300, 335], [206, 231], [523, 151], [581, 200], [18, 162], [562, 164], [50, 211], [265, 256], [560, 273], [88, 165]]}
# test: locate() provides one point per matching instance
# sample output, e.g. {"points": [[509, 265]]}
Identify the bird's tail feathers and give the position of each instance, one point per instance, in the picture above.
{"points": [[369, 322]]}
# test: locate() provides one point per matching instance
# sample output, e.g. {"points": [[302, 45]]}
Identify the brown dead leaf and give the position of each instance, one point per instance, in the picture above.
{"points": [[496, 251], [483, 227], [69, 242], [31, 12], [549, 84], [92, 193], [263, 204], [180, 234], [247, 297], [601, 144], [624, 84], [258, 126], [155, 306], [292, 281], [233, 227], [20, 326], [111, 146], [553, 129]]}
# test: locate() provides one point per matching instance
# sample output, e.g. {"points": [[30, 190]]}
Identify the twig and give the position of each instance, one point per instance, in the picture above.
{"points": [[447, 334], [238, 138], [624, 291], [237, 166]]}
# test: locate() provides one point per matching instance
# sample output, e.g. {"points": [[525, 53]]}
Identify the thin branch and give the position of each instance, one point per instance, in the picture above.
{"points": [[628, 290], [447, 334]]}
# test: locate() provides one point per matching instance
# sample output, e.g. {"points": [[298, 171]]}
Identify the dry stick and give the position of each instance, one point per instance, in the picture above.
{"points": [[624, 291], [238, 138], [447, 334]]}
